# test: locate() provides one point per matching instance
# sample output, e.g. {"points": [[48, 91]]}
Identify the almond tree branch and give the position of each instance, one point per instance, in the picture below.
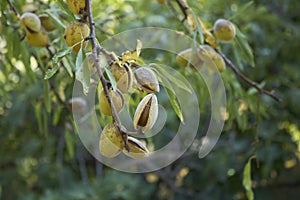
{"points": [[228, 62], [95, 49], [247, 80], [183, 9], [12, 7]]}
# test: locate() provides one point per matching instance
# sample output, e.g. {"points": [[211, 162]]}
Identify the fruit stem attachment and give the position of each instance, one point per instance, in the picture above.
{"points": [[96, 48], [247, 80]]}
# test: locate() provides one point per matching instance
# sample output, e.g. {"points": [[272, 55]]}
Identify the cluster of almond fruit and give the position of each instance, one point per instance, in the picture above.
{"points": [[111, 141], [223, 31], [36, 27], [76, 32], [128, 79]]}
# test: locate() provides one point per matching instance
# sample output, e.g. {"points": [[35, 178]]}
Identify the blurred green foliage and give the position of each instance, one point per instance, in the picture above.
{"points": [[43, 158]]}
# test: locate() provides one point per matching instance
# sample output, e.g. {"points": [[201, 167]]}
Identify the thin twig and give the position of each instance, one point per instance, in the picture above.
{"points": [[247, 80], [176, 14], [95, 49], [12, 7], [183, 9]]}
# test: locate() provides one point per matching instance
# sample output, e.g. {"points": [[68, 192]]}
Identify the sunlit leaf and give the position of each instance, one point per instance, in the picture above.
{"points": [[79, 59], [247, 182], [82, 72], [129, 57], [139, 46]]}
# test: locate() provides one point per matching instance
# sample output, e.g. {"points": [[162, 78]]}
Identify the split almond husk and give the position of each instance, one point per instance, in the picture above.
{"points": [[146, 113]]}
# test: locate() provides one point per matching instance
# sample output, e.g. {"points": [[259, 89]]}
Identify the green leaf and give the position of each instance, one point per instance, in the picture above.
{"points": [[237, 56], [56, 115], [29, 73], [45, 123], [67, 65], [111, 78], [247, 182], [82, 72], [56, 20], [50, 72], [169, 89], [60, 54], [3, 8], [163, 80], [47, 95], [172, 77], [244, 46], [69, 143], [38, 116], [199, 29], [56, 58], [174, 103], [79, 59], [66, 9], [241, 10]]}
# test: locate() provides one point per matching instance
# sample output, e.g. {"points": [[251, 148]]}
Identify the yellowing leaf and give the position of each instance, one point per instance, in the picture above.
{"points": [[129, 57], [139, 46], [208, 36], [132, 56]]}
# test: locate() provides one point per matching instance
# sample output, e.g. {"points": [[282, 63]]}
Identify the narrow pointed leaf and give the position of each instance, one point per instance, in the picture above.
{"points": [[174, 103], [60, 54], [199, 29], [56, 20], [247, 182], [38, 116], [69, 143], [47, 95], [111, 78], [174, 79], [244, 46], [82, 72], [50, 72]]}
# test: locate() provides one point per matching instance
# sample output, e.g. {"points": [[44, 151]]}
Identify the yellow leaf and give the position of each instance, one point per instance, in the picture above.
{"points": [[208, 36], [139, 46]]}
